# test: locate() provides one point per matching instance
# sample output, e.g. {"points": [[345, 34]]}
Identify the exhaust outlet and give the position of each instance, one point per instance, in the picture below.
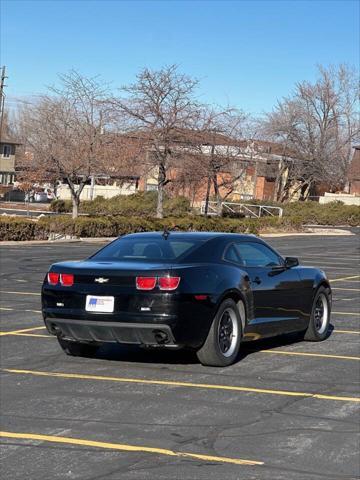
{"points": [[161, 337]]}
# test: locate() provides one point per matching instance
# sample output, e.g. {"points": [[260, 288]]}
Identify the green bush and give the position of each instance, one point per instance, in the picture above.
{"points": [[12, 228], [334, 213], [118, 225], [229, 214], [295, 216], [137, 204], [61, 206]]}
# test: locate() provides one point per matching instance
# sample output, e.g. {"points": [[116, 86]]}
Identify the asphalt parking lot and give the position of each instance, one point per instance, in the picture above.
{"points": [[287, 410]]}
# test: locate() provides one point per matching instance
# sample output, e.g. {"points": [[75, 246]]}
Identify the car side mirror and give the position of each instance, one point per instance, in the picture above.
{"points": [[291, 262]]}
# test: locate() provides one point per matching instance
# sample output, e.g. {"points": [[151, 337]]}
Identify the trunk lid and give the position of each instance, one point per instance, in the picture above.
{"points": [[116, 279]]}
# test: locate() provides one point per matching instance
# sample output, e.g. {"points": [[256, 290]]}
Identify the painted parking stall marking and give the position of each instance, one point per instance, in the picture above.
{"points": [[345, 279], [126, 448], [20, 293], [324, 413], [171, 383], [310, 354], [24, 330]]}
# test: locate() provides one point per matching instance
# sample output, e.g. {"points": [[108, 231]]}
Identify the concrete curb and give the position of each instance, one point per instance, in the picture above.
{"points": [[313, 233], [319, 232], [38, 242]]}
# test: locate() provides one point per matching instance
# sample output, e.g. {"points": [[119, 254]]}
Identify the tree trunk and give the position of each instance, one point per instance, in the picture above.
{"points": [[75, 205], [207, 198], [75, 196], [279, 181], [217, 194], [160, 197]]}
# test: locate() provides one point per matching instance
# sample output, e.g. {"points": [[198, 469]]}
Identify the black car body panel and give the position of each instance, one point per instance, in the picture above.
{"points": [[274, 299]]}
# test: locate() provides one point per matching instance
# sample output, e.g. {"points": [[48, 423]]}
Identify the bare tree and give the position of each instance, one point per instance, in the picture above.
{"points": [[158, 106], [221, 150], [318, 124], [65, 131]]}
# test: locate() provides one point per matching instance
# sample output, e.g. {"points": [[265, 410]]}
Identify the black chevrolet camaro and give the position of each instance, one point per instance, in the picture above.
{"points": [[205, 291]]}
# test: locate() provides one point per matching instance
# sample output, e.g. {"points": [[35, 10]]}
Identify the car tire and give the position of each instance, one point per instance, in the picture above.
{"points": [[77, 349], [222, 344], [318, 327]]}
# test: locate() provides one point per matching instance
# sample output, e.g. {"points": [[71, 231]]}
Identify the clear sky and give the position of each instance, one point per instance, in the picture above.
{"points": [[246, 53]]}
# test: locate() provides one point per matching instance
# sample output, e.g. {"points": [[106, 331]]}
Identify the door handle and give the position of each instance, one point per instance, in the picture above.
{"points": [[256, 280]]}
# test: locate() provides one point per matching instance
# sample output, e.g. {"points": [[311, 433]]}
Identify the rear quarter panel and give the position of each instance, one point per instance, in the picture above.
{"points": [[217, 281]]}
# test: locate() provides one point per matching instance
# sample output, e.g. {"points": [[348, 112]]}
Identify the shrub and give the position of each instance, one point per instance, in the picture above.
{"points": [[61, 206], [20, 229], [137, 204], [141, 203], [334, 213], [229, 214], [295, 216], [177, 206], [118, 225]]}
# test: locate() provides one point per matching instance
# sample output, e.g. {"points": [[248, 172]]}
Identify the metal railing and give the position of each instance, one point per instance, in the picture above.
{"points": [[247, 209]]}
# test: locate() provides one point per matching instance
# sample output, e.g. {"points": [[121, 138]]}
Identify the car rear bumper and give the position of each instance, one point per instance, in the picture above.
{"points": [[112, 332]]}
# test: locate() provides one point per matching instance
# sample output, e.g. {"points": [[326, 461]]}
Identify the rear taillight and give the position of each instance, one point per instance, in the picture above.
{"points": [[67, 279], [145, 283], [165, 283], [169, 283], [53, 278]]}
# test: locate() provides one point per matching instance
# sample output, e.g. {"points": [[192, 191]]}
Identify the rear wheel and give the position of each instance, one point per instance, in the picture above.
{"points": [[222, 344], [320, 317], [77, 349]]}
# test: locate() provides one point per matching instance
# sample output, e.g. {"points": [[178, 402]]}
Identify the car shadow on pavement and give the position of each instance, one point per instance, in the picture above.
{"points": [[285, 340], [135, 354]]}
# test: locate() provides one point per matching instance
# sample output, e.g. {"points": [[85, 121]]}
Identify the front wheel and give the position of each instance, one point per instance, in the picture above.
{"points": [[320, 316], [77, 349], [222, 344]]}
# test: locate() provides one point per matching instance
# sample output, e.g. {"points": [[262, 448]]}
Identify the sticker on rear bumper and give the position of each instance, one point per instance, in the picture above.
{"points": [[99, 304]]}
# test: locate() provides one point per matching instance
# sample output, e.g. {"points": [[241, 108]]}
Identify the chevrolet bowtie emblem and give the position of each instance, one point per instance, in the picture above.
{"points": [[101, 280]]}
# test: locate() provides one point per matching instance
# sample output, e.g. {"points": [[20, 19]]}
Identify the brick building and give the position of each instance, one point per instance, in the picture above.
{"points": [[354, 172]]}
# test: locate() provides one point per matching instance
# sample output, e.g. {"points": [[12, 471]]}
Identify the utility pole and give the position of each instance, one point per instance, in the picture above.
{"points": [[2, 98]]}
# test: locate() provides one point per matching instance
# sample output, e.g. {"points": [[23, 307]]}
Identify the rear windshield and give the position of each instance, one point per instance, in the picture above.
{"points": [[148, 249]]}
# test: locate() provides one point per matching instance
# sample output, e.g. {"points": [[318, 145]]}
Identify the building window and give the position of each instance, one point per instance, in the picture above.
{"points": [[4, 178], [6, 151], [150, 187]]}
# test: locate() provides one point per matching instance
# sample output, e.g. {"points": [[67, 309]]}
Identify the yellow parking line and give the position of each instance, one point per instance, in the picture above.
{"points": [[182, 384], [20, 293], [306, 354], [344, 278], [19, 310], [31, 335], [126, 448], [346, 289], [351, 281], [352, 332], [36, 335], [24, 330], [356, 314]]}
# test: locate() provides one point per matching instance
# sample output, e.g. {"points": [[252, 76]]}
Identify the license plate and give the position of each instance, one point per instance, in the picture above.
{"points": [[99, 304]]}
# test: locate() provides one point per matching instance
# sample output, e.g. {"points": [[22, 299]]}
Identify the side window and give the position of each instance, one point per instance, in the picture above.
{"points": [[257, 255], [231, 254]]}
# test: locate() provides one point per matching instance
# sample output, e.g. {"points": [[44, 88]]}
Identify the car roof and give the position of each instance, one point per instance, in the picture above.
{"points": [[188, 235]]}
